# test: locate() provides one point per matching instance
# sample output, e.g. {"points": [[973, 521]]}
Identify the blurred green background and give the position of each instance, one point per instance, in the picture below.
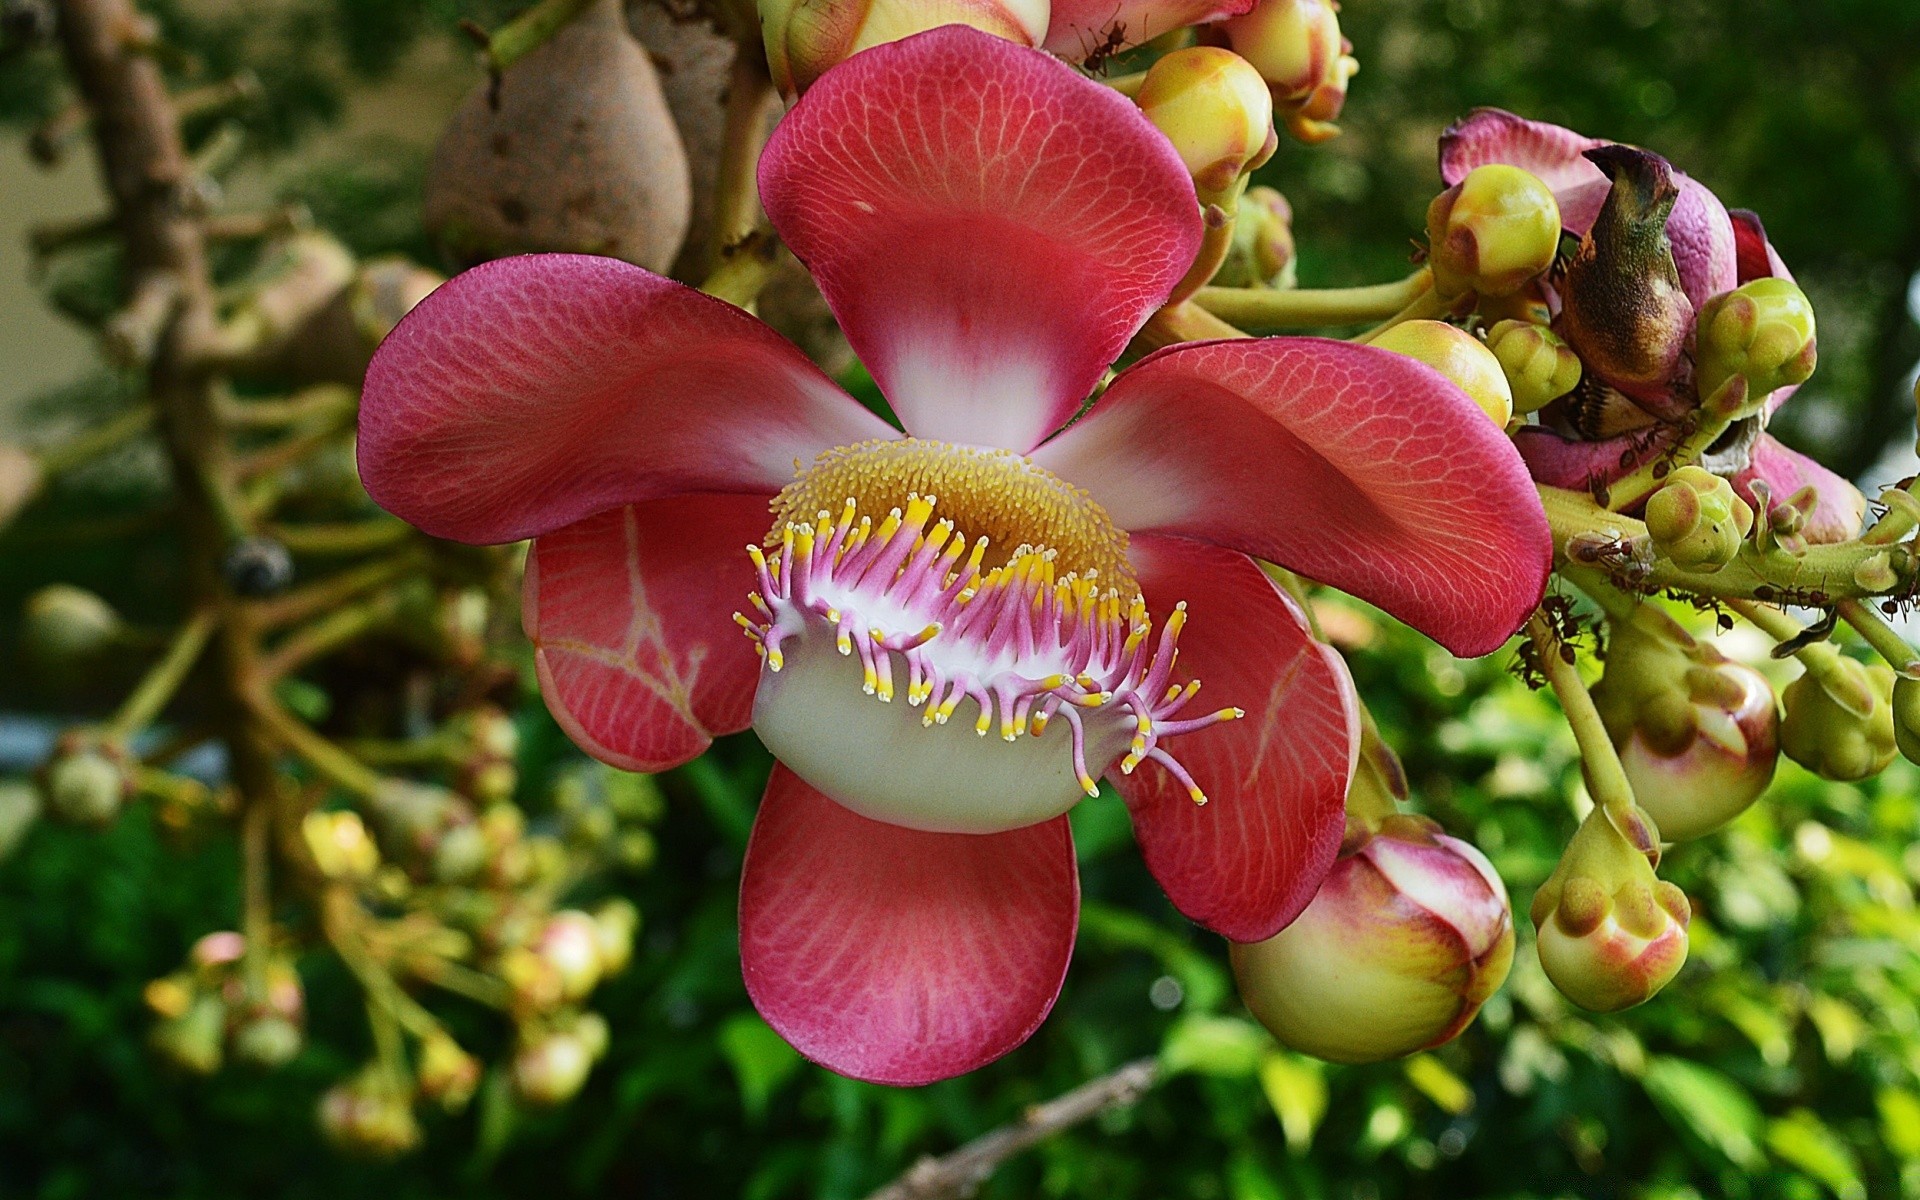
{"points": [[1785, 1060]]}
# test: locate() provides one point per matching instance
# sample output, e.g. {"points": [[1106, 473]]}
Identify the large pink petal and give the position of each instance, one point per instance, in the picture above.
{"points": [[989, 226], [1250, 859], [1354, 466], [1080, 29], [631, 616], [530, 392], [1492, 135], [898, 956], [1785, 471]]}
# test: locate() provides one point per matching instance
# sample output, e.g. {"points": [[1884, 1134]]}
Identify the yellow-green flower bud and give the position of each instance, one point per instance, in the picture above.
{"points": [[806, 37], [1459, 356], [1906, 727], [370, 1115], [614, 924], [1215, 109], [1405, 941], [67, 628], [87, 783], [1493, 232], [341, 847], [193, 1040], [1763, 331], [1611, 934], [551, 1068], [1540, 366], [267, 1041], [1297, 48], [1696, 520], [447, 1075], [1261, 254], [19, 809], [1840, 722]]}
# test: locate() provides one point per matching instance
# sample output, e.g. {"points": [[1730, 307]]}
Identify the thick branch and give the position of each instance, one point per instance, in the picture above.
{"points": [[962, 1172]]}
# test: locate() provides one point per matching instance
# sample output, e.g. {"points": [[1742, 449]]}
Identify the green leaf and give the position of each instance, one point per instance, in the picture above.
{"points": [[1438, 1084], [1900, 1121], [1803, 1140], [1202, 979], [760, 1058], [1224, 1047], [1296, 1087], [1703, 1102]]}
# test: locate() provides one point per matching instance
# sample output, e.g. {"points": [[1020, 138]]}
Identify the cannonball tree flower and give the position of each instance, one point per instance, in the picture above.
{"points": [[1599, 435], [959, 627], [1078, 30]]}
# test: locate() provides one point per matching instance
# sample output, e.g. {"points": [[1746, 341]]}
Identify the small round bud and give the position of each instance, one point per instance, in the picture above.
{"points": [[533, 978], [1608, 951], [192, 1041], [571, 943], [1215, 109], [1539, 365], [385, 290], [1839, 720], [221, 948], [1405, 941], [257, 566], [614, 924], [1261, 254], [460, 855], [1493, 232], [1459, 356], [807, 37], [19, 809], [87, 784], [20, 480], [1762, 331], [1297, 48], [591, 1028], [370, 1116], [340, 845], [267, 1042], [1697, 521], [551, 1068], [67, 629], [447, 1075]]}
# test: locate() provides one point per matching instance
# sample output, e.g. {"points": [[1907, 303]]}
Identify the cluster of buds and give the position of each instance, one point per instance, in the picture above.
{"points": [[1539, 365], [1297, 48], [371, 1114], [1611, 933], [567, 957], [219, 1006]]}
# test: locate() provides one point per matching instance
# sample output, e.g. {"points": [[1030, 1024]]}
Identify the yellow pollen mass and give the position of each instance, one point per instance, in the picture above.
{"points": [[985, 493]]}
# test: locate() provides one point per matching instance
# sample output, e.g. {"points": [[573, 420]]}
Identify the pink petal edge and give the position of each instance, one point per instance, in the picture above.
{"points": [[1842, 508], [896, 956], [1079, 29], [1246, 863], [630, 614], [1357, 467], [989, 226], [530, 392]]}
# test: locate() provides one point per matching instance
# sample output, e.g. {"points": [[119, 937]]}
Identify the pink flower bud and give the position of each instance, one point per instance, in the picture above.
{"points": [[447, 1075], [571, 944], [551, 1069], [1405, 941], [1610, 933]]}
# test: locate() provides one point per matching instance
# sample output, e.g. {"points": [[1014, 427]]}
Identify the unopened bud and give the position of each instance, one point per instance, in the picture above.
{"points": [[385, 290], [1459, 356], [1762, 331], [20, 480], [614, 924], [340, 845], [193, 1040], [267, 1041], [67, 628], [447, 1075], [1261, 254], [257, 566], [1297, 48], [1405, 941], [1697, 521], [1611, 934], [533, 979], [1906, 723], [221, 948], [1528, 306], [551, 1068], [1839, 722], [1215, 109], [370, 1115], [1493, 232], [19, 809], [87, 783], [806, 37], [571, 943], [1540, 366]]}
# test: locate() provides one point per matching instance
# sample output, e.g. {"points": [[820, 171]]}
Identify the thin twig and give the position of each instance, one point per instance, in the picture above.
{"points": [[961, 1173]]}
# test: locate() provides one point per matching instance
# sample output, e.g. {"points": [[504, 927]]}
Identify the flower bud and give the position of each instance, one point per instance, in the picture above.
{"points": [[1698, 735], [1215, 109], [19, 809], [87, 783], [1459, 356], [1906, 732], [551, 1068], [1405, 941], [267, 1041], [1493, 232], [533, 978], [1839, 720], [1261, 254], [1540, 366], [1297, 48], [340, 845], [460, 855], [192, 1040], [447, 1075], [221, 948], [1696, 520], [571, 943], [20, 480], [1528, 306], [370, 1115], [1762, 331], [806, 37], [1611, 934], [66, 629], [614, 924]]}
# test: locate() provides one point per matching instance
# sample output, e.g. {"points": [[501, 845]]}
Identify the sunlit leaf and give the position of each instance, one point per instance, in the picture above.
{"points": [[1802, 1140], [1296, 1087], [760, 1059], [1708, 1105], [1439, 1084], [1225, 1047]]}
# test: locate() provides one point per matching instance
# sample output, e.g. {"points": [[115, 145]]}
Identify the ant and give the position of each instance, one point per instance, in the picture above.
{"points": [[1111, 44]]}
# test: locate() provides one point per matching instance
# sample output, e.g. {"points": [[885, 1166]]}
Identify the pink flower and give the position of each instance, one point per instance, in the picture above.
{"points": [[991, 229], [1081, 29], [1714, 251]]}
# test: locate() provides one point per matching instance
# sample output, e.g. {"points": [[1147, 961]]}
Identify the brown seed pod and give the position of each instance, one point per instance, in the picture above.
{"points": [[574, 150]]}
